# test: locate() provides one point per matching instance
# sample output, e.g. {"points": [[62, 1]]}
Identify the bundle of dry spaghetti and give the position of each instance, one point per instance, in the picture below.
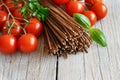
{"points": [[62, 34]]}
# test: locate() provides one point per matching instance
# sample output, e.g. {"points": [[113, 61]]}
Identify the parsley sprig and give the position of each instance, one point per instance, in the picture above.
{"points": [[35, 8]]}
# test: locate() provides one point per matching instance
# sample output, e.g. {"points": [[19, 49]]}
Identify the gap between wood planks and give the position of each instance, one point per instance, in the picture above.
{"points": [[57, 68]]}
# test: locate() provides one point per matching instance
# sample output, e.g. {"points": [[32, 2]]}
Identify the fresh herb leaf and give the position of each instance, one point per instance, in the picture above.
{"points": [[98, 36], [25, 12], [37, 10]]}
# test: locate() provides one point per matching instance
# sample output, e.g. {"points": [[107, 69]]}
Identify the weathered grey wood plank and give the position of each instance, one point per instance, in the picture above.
{"points": [[100, 63]]}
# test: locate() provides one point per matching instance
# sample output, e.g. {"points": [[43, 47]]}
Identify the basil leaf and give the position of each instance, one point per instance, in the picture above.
{"points": [[98, 36], [82, 20]]}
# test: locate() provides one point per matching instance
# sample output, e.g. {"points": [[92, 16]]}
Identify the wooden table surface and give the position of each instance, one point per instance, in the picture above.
{"points": [[99, 64]]}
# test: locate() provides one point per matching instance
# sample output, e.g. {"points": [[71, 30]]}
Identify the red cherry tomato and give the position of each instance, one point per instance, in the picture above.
{"points": [[90, 3], [27, 43], [1, 7], [100, 10], [60, 2], [3, 18], [20, 4], [12, 6], [92, 17], [16, 30], [17, 13], [74, 7], [35, 27], [8, 44]]}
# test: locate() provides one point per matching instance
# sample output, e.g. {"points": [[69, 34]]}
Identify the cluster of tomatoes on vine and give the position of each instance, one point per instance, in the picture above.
{"points": [[93, 9], [17, 33]]}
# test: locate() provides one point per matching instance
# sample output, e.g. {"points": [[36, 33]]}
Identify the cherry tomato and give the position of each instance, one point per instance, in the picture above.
{"points": [[74, 7], [17, 13], [16, 30], [1, 7], [8, 44], [35, 27], [60, 2], [12, 6], [20, 4], [91, 15], [90, 3], [3, 18], [27, 43], [100, 10]]}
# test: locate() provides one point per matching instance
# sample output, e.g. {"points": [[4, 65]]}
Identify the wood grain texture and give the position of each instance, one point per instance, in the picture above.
{"points": [[99, 64], [35, 66]]}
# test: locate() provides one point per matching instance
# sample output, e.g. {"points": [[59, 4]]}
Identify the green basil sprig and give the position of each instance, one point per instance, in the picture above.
{"points": [[96, 34]]}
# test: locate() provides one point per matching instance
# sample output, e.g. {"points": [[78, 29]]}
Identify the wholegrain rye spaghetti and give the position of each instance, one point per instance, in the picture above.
{"points": [[62, 34]]}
